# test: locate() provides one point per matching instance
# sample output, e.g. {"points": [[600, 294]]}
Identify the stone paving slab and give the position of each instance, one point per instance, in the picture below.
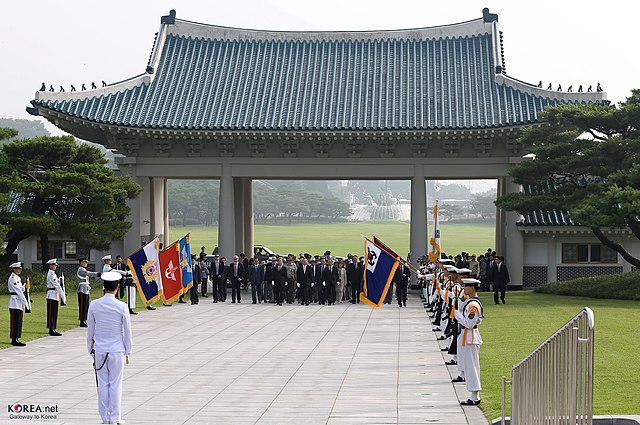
{"points": [[251, 364]]}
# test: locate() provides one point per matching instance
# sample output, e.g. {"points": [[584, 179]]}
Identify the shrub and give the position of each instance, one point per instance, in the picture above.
{"points": [[624, 286]]}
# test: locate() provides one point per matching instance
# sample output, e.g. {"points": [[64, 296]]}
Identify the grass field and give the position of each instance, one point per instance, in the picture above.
{"points": [[511, 331], [342, 238]]}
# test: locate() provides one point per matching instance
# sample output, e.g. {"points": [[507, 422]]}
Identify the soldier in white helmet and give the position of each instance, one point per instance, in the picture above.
{"points": [[17, 304], [84, 290], [109, 341], [55, 294]]}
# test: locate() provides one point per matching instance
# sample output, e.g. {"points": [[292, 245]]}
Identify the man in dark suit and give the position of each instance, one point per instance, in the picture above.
{"points": [[235, 275], [501, 279], [279, 274], [352, 277], [313, 292], [120, 266], [401, 279], [244, 260], [490, 276], [269, 280], [193, 292], [320, 268], [217, 273], [256, 277], [330, 279], [304, 276]]}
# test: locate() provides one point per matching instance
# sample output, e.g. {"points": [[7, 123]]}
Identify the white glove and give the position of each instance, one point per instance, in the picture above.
{"points": [[338, 283], [286, 284], [298, 284], [324, 283], [313, 284], [273, 283]]}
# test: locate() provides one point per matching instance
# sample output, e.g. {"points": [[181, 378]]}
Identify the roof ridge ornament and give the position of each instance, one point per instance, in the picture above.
{"points": [[488, 17], [170, 19]]}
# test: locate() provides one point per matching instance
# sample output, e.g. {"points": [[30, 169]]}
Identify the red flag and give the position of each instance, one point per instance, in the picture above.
{"points": [[171, 273]]}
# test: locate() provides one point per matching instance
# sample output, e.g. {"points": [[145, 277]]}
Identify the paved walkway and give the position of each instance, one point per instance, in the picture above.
{"points": [[247, 364]]}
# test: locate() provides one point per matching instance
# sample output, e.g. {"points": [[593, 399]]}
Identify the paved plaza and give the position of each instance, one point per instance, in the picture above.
{"points": [[247, 364]]}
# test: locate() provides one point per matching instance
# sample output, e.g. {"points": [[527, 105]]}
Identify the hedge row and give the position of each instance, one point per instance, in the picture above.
{"points": [[625, 286]]}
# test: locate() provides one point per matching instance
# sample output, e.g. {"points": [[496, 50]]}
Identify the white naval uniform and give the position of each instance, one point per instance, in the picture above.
{"points": [[54, 289], [470, 340], [109, 334], [17, 301]]}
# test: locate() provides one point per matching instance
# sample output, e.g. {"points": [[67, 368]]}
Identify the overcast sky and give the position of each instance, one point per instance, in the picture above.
{"points": [[79, 41]]}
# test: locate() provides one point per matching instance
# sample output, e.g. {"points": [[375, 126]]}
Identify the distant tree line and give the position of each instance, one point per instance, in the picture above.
{"points": [[195, 202]]}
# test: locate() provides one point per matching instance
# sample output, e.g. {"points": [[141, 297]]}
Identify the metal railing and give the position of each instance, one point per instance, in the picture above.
{"points": [[554, 384]]}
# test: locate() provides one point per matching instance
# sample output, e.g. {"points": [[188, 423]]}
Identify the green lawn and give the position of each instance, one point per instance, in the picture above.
{"points": [[342, 238], [510, 332], [35, 323]]}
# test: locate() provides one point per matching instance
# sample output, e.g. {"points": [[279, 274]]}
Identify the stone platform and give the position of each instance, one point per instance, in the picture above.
{"points": [[251, 364]]}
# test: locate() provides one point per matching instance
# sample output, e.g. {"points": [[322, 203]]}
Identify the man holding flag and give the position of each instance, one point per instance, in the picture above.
{"points": [[145, 267], [380, 267]]}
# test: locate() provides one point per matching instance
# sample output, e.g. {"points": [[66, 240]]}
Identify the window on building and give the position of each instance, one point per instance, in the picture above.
{"points": [[63, 250], [588, 253]]}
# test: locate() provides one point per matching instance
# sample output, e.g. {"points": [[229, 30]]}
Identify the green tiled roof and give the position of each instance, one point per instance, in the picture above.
{"points": [[215, 78], [545, 218]]}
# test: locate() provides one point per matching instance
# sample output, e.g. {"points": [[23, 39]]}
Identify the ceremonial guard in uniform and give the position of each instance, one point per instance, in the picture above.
{"points": [[106, 267], [84, 290], [109, 341], [269, 274], [469, 317], [54, 295], [17, 304], [131, 289], [290, 288]]}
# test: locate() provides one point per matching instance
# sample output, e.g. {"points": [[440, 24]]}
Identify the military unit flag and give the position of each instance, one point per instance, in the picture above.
{"points": [[145, 268], [185, 263], [171, 273], [380, 266]]}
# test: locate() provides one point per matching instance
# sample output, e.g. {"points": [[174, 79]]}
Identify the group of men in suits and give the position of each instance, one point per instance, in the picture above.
{"points": [[280, 280]]}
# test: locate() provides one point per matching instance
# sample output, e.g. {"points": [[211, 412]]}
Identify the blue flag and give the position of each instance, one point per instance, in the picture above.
{"points": [[380, 269], [185, 263], [145, 267]]}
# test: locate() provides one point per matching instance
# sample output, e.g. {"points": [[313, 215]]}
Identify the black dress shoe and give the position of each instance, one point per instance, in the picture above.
{"points": [[150, 307], [451, 362], [441, 338], [181, 301], [132, 312], [444, 349], [233, 302], [17, 343], [470, 402], [83, 324], [502, 303], [458, 379], [53, 332], [166, 305], [254, 302], [405, 303], [205, 296]]}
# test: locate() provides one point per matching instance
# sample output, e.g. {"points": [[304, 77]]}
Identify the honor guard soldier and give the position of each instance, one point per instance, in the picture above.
{"points": [[83, 290], [54, 295], [469, 317], [109, 341], [17, 304]]}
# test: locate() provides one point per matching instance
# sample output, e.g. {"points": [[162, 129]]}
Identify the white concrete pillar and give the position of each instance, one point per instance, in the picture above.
{"points": [[514, 239], [144, 202], [238, 213], [247, 193], [552, 258], [500, 245], [418, 235], [226, 221], [157, 207]]}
